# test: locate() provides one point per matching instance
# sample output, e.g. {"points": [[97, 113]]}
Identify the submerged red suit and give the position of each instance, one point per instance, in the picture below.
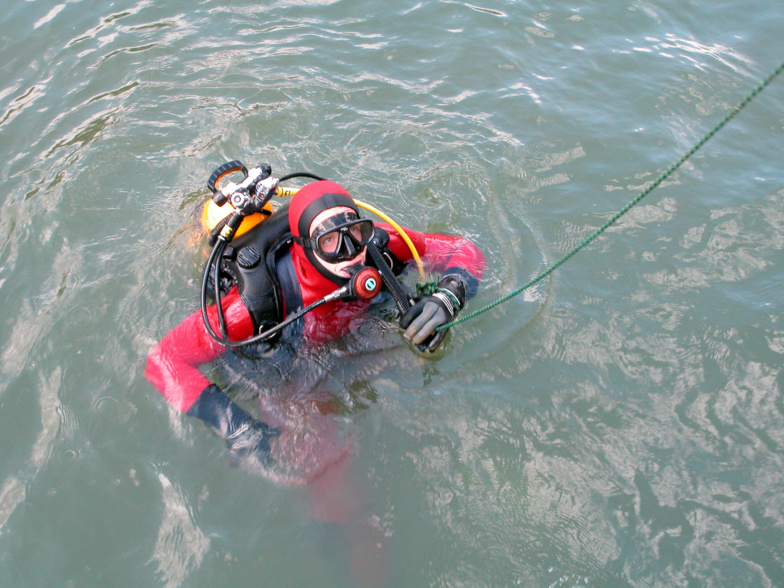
{"points": [[302, 428], [173, 364]]}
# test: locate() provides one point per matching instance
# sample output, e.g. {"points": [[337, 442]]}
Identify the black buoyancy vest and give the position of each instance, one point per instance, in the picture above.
{"points": [[250, 260]]}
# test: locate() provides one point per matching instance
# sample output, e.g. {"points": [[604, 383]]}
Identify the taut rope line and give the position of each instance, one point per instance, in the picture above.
{"points": [[667, 173]]}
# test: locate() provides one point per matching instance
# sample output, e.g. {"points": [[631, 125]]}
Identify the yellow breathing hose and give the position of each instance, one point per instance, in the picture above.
{"points": [[291, 191]]}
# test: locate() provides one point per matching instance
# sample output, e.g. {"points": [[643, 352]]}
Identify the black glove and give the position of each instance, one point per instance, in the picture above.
{"points": [[252, 439], [430, 312], [243, 434]]}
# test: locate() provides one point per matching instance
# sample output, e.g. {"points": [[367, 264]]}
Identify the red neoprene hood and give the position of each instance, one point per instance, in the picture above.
{"points": [[306, 205], [314, 199]]}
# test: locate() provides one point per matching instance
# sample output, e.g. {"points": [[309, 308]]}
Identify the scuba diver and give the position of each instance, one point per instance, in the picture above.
{"points": [[311, 266], [285, 283]]}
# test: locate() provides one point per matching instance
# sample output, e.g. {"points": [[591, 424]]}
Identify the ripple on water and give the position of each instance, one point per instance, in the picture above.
{"points": [[617, 424]]}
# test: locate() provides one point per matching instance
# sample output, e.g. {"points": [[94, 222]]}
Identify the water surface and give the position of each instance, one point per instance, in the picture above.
{"points": [[619, 425]]}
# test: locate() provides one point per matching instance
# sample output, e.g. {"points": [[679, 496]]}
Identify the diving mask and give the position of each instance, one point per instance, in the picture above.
{"points": [[340, 237]]}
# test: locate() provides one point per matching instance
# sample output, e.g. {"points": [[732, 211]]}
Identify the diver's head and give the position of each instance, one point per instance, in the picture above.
{"points": [[325, 222], [338, 238]]}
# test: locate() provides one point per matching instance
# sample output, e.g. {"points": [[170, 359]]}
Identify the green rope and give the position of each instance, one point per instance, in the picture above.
{"points": [[667, 173]]}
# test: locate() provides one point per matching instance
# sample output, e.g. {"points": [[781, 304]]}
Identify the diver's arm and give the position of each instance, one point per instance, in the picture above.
{"points": [[243, 434], [446, 254], [459, 258], [461, 264], [173, 364], [173, 368]]}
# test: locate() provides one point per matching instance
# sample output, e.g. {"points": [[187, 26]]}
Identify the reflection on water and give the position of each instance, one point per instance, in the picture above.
{"points": [[617, 425], [181, 545], [13, 492]]}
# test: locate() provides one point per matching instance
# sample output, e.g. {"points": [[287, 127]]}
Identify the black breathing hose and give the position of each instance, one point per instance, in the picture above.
{"points": [[301, 175], [220, 245], [223, 339]]}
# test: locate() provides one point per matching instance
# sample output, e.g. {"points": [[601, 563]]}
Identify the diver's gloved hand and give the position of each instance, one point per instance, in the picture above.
{"points": [[430, 312], [243, 434], [252, 438]]}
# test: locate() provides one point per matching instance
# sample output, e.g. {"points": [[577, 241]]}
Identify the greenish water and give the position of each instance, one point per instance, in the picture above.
{"points": [[620, 425]]}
